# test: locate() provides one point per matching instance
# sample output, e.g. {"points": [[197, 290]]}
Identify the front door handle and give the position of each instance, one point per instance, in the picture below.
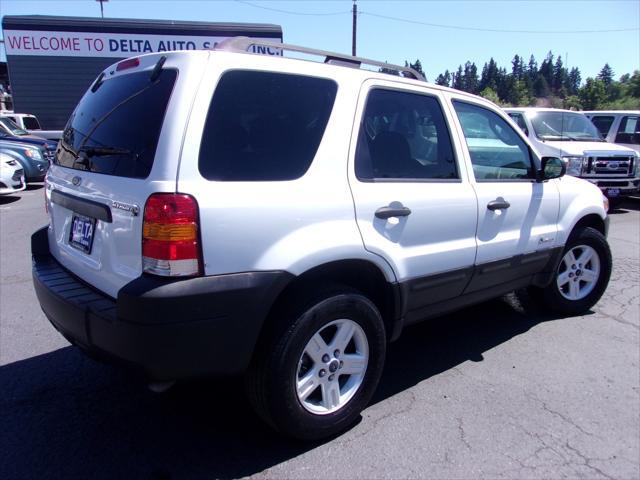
{"points": [[388, 212], [498, 204]]}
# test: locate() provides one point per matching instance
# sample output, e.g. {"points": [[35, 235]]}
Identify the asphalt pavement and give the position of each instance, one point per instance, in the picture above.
{"points": [[498, 390]]}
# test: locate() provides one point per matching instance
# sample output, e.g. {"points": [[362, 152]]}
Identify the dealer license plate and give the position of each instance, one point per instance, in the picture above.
{"points": [[613, 192], [82, 233]]}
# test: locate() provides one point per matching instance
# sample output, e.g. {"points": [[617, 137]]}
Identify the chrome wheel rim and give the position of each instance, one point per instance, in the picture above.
{"points": [[578, 272], [332, 367]]}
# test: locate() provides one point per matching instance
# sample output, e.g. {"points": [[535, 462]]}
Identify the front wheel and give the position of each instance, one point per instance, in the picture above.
{"points": [[318, 371], [582, 275]]}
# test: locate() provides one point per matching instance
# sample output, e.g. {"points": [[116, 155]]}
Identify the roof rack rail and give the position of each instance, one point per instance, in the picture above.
{"points": [[242, 44]]}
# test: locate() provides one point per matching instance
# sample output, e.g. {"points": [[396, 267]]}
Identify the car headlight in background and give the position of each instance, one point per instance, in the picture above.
{"points": [[574, 165], [33, 153], [636, 171]]}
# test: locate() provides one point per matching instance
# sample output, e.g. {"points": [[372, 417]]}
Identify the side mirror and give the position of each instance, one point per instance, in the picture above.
{"points": [[551, 167]]}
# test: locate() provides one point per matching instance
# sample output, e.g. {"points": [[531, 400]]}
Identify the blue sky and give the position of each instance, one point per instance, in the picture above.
{"points": [[396, 31]]}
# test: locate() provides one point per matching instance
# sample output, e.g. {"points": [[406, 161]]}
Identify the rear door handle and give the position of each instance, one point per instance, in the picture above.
{"points": [[388, 212], [498, 204]]}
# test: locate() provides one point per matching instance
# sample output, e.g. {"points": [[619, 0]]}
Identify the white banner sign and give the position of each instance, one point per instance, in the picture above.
{"points": [[120, 45]]}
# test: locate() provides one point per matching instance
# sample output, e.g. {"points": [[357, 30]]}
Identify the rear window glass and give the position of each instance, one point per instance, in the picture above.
{"points": [[31, 123], [264, 126], [114, 130]]}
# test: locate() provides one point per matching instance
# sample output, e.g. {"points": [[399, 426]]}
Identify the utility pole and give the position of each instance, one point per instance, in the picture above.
{"points": [[354, 29], [101, 7]]}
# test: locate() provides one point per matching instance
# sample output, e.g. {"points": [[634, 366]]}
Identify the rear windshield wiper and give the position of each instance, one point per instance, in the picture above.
{"points": [[105, 151]]}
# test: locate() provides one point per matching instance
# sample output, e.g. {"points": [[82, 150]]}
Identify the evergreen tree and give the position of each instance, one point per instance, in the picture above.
{"points": [[470, 79], [532, 70], [489, 77], [541, 87], [444, 79], [573, 82], [517, 67], [546, 69], [606, 75], [458, 80], [560, 78], [417, 66]]}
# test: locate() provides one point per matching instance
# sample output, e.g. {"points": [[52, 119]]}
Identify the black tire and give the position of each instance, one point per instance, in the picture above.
{"points": [[551, 297], [272, 376]]}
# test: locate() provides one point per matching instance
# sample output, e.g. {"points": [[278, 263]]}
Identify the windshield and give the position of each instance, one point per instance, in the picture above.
{"points": [[564, 126], [11, 126], [116, 126], [31, 123]]}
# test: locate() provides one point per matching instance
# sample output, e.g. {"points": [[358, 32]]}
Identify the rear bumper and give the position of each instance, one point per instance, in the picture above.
{"points": [[168, 328]]}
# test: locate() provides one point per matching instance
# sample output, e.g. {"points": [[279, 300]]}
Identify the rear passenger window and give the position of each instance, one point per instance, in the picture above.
{"points": [[629, 131], [264, 126], [603, 124], [404, 136], [497, 151]]}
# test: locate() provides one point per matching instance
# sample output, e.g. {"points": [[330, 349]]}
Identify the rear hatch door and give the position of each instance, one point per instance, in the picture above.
{"points": [[121, 144]]}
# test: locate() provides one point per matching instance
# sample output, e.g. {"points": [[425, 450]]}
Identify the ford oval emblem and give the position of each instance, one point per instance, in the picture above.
{"points": [[76, 181]]}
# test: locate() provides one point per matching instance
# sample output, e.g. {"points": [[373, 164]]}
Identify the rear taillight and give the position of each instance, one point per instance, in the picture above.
{"points": [[170, 237]]}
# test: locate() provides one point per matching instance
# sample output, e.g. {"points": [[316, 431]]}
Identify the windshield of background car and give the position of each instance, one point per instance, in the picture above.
{"points": [[564, 126], [31, 123], [12, 127], [115, 128]]}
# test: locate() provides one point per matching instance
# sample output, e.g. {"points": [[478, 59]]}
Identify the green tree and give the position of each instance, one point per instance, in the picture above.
{"points": [[457, 81], [470, 78], [517, 67], [572, 102], [573, 81], [634, 84], [444, 79], [560, 78], [417, 66], [606, 75], [490, 95], [541, 87], [593, 94]]}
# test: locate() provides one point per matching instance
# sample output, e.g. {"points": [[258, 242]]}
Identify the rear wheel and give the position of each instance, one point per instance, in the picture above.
{"points": [[582, 275], [315, 374]]}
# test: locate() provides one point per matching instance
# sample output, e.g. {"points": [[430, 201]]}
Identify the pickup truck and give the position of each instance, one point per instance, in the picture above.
{"points": [[30, 123], [572, 137]]}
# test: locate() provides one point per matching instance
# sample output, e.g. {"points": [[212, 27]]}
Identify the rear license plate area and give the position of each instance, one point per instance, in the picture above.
{"points": [[81, 235]]}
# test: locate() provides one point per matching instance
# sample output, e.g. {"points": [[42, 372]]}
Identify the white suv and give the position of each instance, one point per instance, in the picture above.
{"points": [[230, 213]]}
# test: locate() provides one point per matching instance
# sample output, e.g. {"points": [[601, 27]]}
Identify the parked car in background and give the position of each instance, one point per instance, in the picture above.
{"points": [[11, 175], [30, 123], [618, 126], [31, 157], [10, 132], [571, 136]]}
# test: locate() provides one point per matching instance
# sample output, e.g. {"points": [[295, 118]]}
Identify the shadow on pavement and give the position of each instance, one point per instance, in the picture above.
{"points": [[34, 186], [65, 416], [7, 199]]}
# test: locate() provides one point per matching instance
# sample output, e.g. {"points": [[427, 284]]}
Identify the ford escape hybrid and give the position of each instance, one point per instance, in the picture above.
{"points": [[220, 212]]}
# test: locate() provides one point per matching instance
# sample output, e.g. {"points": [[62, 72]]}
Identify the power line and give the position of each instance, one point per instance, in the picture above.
{"points": [[438, 25], [291, 12], [495, 30]]}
